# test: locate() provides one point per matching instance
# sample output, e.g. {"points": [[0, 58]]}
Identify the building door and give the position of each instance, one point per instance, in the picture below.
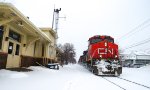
{"points": [[13, 59]]}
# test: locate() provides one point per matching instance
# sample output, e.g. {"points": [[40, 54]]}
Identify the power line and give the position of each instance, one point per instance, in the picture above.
{"points": [[135, 29], [139, 43]]}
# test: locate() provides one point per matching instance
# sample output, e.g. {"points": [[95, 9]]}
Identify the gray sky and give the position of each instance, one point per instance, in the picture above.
{"points": [[86, 18]]}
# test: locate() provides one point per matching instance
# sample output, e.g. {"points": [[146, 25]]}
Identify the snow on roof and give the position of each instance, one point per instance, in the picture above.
{"points": [[140, 53], [135, 52]]}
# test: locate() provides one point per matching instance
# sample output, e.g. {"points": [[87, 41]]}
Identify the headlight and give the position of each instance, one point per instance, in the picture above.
{"points": [[100, 56], [105, 44], [116, 56]]}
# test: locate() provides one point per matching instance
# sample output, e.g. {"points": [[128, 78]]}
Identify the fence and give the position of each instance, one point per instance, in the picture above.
{"points": [[27, 61]]}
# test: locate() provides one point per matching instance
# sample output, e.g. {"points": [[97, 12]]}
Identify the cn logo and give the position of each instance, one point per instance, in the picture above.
{"points": [[105, 50]]}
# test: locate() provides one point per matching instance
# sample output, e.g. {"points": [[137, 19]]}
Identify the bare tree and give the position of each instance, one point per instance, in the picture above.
{"points": [[60, 54], [69, 53]]}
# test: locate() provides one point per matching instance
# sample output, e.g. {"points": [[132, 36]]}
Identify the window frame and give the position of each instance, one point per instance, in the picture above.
{"points": [[1, 36], [12, 35], [95, 40]]}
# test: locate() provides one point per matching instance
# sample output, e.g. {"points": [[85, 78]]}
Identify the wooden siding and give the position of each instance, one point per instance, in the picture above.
{"points": [[3, 60]]}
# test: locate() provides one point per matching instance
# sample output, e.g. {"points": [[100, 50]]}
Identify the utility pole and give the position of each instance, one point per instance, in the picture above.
{"points": [[55, 19], [55, 23]]}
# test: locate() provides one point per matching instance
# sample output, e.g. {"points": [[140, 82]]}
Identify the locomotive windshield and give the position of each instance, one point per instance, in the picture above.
{"points": [[96, 40], [110, 40]]}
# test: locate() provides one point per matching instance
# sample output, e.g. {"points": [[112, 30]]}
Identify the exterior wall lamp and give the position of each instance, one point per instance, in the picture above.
{"points": [[24, 45], [20, 23], [6, 38]]}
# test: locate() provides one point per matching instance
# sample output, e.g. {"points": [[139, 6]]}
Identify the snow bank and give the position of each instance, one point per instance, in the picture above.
{"points": [[69, 77], [140, 75], [11, 74]]}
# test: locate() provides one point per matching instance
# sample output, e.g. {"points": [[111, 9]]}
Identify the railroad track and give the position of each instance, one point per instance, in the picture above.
{"points": [[126, 81], [114, 84], [134, 82]]}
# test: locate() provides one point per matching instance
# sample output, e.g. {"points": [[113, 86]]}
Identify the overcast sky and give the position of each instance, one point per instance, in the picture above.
{"points": [[85, 18]]}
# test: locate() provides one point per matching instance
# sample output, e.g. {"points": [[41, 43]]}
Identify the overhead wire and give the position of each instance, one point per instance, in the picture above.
{"points": [[139, 43], [135, 30]]}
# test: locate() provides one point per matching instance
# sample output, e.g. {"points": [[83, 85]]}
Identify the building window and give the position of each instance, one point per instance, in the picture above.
{"points": [[34, 48], [14, 35], [10, 48], [42, 50], [17, 49], [1, 35]]}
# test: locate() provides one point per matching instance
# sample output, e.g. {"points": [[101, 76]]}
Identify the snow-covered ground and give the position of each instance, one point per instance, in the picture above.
{"points": [[71, 77]]}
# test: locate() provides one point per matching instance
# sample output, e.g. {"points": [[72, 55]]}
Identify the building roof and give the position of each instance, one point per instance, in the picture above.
{"points": [[140, 53], [49, 30], [135, 53], [9, 13]]}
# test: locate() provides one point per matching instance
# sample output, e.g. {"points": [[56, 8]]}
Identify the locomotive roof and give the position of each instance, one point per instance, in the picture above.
{"points": [[100, 36]]}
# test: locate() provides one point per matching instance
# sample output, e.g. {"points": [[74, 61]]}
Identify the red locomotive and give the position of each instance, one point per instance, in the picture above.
{"points": [[102, 56]]}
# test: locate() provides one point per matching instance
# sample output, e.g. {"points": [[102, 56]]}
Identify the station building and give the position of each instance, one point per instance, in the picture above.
{"points": [[22, 44], [135, 57]]}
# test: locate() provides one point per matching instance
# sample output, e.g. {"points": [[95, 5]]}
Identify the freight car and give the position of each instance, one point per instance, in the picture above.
{"points": [[102, 57]]}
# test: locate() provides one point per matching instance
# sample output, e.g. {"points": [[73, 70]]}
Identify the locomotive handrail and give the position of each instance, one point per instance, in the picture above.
{"points": [[93, 55]]}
